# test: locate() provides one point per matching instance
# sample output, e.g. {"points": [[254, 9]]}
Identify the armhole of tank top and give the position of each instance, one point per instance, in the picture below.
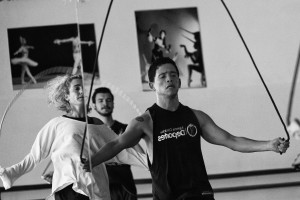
{"points": [[197, 121], [148, 160]]}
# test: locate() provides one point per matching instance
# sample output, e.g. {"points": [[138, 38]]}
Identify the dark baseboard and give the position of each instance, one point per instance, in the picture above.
{"points": [[211, 177]]}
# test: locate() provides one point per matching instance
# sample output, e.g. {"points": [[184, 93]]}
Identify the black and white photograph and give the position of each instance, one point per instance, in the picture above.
{"points": [[173, 33], [37, 54], [149, 99]]}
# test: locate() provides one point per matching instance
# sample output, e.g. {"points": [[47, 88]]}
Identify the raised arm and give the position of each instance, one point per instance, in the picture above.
{"points": [[89, 43], [216, 135], [59, 41], [19, 50]]}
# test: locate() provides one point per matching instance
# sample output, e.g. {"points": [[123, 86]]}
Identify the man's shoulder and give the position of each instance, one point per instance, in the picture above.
{"points": [[142, 121], [202, 117], [146, 116]]}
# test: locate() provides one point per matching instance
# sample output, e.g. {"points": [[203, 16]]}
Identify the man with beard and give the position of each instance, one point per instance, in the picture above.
{"points": [[121, 183]]}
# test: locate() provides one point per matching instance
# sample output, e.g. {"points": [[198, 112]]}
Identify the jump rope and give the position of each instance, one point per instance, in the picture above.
{"points": [[288, 117], [257, 70], [90, 92]]}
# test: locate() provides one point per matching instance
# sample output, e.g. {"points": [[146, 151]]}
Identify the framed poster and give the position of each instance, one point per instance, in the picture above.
{"points": [[173, 33], [37, 54]]}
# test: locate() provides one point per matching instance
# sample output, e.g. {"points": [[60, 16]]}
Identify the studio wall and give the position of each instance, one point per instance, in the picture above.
{"points": [[234, 97]]}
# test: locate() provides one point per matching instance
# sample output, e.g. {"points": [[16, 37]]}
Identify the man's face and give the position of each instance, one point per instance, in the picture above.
{"points": [[104, 104], [166, 80]]}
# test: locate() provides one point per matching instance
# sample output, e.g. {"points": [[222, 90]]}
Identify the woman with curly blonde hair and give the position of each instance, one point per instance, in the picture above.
{"points": [[62, 137]]}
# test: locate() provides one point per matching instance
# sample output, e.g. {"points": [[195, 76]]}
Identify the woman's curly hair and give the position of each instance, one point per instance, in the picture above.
{"points": [[58, 89]]}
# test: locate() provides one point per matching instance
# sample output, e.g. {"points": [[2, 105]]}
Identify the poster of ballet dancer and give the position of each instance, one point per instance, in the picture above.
{"points": [[173, 33], [38, 54]]}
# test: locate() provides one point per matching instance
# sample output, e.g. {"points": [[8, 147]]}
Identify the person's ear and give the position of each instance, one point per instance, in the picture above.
{"points": [[151, 86]]}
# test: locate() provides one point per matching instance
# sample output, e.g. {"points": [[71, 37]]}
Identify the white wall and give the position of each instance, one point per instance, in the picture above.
{"points": [[235, 97]]}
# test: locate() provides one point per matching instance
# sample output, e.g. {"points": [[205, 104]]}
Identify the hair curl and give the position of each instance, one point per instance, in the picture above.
{"points": [[58, 89]]}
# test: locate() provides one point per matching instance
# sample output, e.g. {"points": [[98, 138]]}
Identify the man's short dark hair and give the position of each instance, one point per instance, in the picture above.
{"points": [[101, 90], [157, 63]]}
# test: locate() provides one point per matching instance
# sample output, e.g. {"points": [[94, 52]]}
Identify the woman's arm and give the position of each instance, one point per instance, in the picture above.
{"points": [[39, 151], [59, 41], [87, 42]]}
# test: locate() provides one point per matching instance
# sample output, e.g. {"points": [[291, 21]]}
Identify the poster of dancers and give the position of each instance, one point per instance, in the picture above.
{"points": [[173, 33], [37, 54]]}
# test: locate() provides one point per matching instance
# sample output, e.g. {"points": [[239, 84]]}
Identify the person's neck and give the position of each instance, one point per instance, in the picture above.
{"points": [[77, 112], [170, 104], [108, 120]]}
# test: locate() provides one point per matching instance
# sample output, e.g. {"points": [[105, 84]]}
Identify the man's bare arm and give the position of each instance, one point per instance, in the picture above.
{"points": [[131, 137], [216, 135]]}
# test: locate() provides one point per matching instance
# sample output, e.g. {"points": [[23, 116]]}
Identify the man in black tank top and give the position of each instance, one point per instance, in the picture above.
{"points": [[177, 168], [172, 133]]}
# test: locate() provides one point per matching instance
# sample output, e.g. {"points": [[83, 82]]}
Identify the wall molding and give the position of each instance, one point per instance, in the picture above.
{"points": [[211, 177]]}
